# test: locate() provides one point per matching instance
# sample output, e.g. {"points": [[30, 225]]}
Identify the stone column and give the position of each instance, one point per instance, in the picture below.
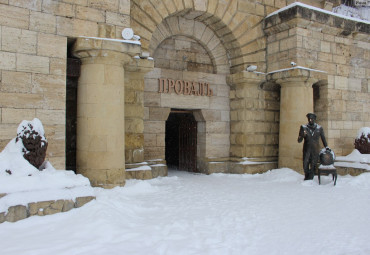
{"points": [[296, 100], [100, 110]]}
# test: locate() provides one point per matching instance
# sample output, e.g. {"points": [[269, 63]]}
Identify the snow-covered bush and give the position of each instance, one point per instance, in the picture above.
{"points": [[362, 142]]}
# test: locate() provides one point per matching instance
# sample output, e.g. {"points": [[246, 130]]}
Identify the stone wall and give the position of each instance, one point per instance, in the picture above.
{"points": [[236, 23], [183, 58], [212, 113], [340, 48], [183, 53], [216, 38], [33, 53], [134, 109], [20, 212], [254, 115]]}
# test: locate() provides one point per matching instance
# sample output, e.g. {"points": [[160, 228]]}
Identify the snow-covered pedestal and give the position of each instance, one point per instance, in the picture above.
{"points": [[353, 164], [146, 170], [41, 192], [357, 162]]}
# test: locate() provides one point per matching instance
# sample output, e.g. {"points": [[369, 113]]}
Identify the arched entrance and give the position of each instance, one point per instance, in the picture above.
{"points": [[191, 65], [181, 141], [190, 70]]}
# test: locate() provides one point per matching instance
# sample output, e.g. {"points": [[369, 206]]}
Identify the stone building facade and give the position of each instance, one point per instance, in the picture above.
{"points": [[116, 110]]}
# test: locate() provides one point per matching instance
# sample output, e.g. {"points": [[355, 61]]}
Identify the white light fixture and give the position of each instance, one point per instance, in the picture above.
{"points": [[127, 33], [251, 68], [136, 38]]}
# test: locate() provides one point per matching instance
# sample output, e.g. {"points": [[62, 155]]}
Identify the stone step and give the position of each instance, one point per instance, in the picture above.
{"points": [[344, 170], [146, 170], [140, 171], [240, 167], [217, 167], [159, 170], [255, 168]]}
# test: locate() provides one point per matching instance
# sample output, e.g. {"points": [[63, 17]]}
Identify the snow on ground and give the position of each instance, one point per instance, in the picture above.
{"points": [[271, 213]]}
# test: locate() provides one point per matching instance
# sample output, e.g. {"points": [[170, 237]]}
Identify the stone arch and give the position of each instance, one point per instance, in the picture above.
{"points": [[232, 23], [175, 26]]}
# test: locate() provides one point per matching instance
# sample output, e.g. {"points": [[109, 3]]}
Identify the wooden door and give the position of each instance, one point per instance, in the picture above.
{"points": [[188, 143]]}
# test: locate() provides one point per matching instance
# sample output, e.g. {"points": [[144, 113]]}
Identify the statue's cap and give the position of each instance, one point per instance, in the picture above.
{"points": [[311, 115]]}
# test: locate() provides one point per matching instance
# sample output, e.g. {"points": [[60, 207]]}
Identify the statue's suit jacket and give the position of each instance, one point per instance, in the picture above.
{"points": [[312, 138]]}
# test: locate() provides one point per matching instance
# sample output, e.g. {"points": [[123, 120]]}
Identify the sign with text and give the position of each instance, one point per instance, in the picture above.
{"points": [[182, 87], [362, 2]]}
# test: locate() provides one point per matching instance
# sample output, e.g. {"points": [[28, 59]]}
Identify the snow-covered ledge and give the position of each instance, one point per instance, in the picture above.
{"points": [[303, 15], [315, 9], [353, 164], [113, 40]]}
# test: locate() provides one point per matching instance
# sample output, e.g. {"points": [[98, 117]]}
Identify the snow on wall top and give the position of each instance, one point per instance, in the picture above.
{"points": [[316, 9], [137, 42], [362, 12]]}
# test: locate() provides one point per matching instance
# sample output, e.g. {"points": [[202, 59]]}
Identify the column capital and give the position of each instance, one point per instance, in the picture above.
{"points": [[297, 77], [140, 65], [244, 77], [103, 50]]}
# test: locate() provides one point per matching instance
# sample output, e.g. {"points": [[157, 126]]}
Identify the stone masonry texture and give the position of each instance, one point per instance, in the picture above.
{"points": [[191, 40]]}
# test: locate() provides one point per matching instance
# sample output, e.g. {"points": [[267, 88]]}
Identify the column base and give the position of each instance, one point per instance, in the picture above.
{"points": [[105, 178]]}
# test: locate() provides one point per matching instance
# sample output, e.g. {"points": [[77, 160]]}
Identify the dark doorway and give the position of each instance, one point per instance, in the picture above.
{"points": [[181, 141], [73, 73]]}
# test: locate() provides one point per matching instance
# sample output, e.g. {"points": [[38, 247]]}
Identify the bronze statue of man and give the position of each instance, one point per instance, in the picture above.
{"points": [[311, 133]]}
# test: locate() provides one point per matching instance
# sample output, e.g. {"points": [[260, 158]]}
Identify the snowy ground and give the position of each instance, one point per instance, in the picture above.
{"points": [[271, 213]]}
